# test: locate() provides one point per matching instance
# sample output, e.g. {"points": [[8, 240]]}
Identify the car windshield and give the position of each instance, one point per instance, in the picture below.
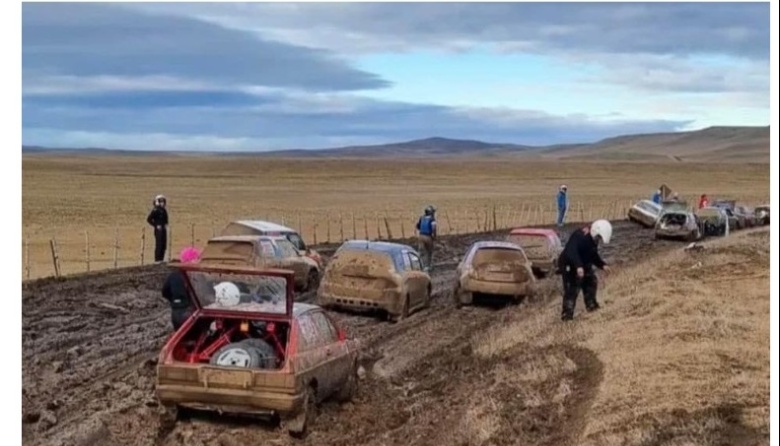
{"points": [[287, 248], [240, 292], [645, 206]]}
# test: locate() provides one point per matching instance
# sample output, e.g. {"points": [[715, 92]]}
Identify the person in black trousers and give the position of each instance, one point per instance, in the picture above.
{"points": [[158, 219], [576, 264]]}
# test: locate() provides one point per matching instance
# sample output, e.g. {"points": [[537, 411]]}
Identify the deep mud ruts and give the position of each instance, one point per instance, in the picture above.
{"points": [[90, 345]]}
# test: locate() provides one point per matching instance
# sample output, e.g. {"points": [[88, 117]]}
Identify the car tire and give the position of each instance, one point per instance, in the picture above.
{"points": [[299, 426], [350, 388], [237, 354], [312, 280], [404, 311], [265, 351]]}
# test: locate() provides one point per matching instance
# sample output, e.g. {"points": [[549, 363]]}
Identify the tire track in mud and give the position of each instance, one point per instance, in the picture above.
{"points": [[86, 400]]}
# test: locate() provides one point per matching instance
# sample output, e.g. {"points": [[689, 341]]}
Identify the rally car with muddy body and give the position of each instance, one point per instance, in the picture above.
{"points": [[541, 246], [736, 220], [644, 213], [713, 220], [678, 223], [762, 214], [262, 252], [375, 276], [746, 215], [261, 227], [493, 268], [249, 349]]}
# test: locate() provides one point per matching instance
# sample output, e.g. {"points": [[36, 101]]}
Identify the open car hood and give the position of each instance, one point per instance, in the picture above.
{"points": [[263, 293]]}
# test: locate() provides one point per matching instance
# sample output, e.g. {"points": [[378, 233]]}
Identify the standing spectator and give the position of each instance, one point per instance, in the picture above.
{"points": [[426, 235], [657, 197], [704, 201], [563, 204], [158, 219]]}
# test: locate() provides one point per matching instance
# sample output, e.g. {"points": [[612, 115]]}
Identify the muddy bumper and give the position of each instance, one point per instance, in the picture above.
{"points": [[359, 299], [471, 285], [228, 400]]}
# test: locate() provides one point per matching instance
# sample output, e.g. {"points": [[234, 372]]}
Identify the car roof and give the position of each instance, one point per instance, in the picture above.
{"points": [[495, 244], [387, 247], [262, 225], [240, 238], [231, 268], [533, 231]]}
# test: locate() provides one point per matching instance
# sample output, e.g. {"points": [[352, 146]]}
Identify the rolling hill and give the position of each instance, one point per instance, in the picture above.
{"points": [[713, 144]]}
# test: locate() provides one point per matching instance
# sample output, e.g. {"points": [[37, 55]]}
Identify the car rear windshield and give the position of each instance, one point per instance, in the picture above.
{"points": [[485, 256], [351, 259], [240, 292], [223, 249], [536, 244]]}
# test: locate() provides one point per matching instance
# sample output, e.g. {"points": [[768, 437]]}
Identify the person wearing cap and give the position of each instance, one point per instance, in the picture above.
{"points": [[577, 262], [426, 235], [175, 291], [657, 197], [563, 204], [158, 219]]}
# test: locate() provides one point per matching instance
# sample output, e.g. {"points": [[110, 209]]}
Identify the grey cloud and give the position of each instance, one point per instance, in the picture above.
{"points": [[736, 29], [83, 39], [359, 119]]}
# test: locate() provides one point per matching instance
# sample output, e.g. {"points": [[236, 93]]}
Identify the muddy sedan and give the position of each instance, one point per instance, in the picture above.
{"points": [[493, 268]]}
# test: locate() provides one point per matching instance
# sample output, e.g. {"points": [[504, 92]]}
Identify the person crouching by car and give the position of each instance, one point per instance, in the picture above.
{"points": [[175, 291]]}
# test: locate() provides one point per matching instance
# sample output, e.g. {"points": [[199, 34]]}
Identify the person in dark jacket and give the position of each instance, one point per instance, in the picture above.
{"points": [[158, 219], [576, 263], [426, 235], [174, 290]]}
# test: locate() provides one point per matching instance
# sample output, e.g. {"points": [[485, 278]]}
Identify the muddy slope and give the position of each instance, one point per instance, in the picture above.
{"points": [[89, 346]]}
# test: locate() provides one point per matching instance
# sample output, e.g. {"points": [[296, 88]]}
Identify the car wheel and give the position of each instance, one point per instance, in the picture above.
{"points": [[265, 352], [404, 311], [350, 388], [312, 280], [237, 354], [298, 426]]}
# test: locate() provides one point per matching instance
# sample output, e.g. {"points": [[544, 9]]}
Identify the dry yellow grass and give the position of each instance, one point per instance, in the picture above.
{"points": [[66, 196], [684, 343]]}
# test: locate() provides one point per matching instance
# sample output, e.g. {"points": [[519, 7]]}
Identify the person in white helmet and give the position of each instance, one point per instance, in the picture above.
{"points": [[158, 219], [563, 204], [577, 262]]}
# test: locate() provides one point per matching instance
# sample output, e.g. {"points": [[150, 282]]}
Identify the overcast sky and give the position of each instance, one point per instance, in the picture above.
{"points": [[211, 76]]}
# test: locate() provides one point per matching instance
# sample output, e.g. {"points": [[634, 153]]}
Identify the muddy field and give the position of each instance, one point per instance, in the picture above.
{"points": [[90, 346]]}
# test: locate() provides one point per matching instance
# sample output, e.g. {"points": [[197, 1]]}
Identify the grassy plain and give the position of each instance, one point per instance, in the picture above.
{"points": [[682, 343], [65, 197]]}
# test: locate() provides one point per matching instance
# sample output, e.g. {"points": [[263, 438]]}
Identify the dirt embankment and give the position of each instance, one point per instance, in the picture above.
{"points": [[442, 376]]}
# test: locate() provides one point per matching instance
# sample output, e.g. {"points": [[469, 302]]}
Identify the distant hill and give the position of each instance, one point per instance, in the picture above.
{"points": [[727, 144]]}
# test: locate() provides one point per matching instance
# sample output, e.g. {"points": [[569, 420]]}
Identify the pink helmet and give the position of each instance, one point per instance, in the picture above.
{"points": [[189, 255]]}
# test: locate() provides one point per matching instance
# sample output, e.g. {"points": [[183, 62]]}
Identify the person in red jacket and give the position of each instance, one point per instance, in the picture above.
{"points": [[703, 201]]}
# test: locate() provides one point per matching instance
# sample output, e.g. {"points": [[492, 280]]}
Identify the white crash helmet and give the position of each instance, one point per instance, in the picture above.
{"points": [[601, 228], [227, 294], [160, 199]]}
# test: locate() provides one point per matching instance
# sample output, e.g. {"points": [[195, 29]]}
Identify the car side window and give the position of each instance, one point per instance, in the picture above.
{"points": [[307, 331], [326, 332], [296, 240], [287, 249], [415, 262]]}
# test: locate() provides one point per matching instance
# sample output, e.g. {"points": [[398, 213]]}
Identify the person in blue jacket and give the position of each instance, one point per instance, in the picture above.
{"points": [[563, 204], [426, 234], [657, 197]]}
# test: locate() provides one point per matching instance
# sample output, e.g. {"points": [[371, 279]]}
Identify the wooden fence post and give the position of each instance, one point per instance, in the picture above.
{"points": [[170, 242], [354, 227], [341, 222], [447, 219], [365, 227], [192, 234], [378, 229], [403, 228], [300, 223], [55, 257], [495, 224], [315, 233], [387, 227], [327, 233], [143, 244], [86, 250], [116, 247], [27, 257]]}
